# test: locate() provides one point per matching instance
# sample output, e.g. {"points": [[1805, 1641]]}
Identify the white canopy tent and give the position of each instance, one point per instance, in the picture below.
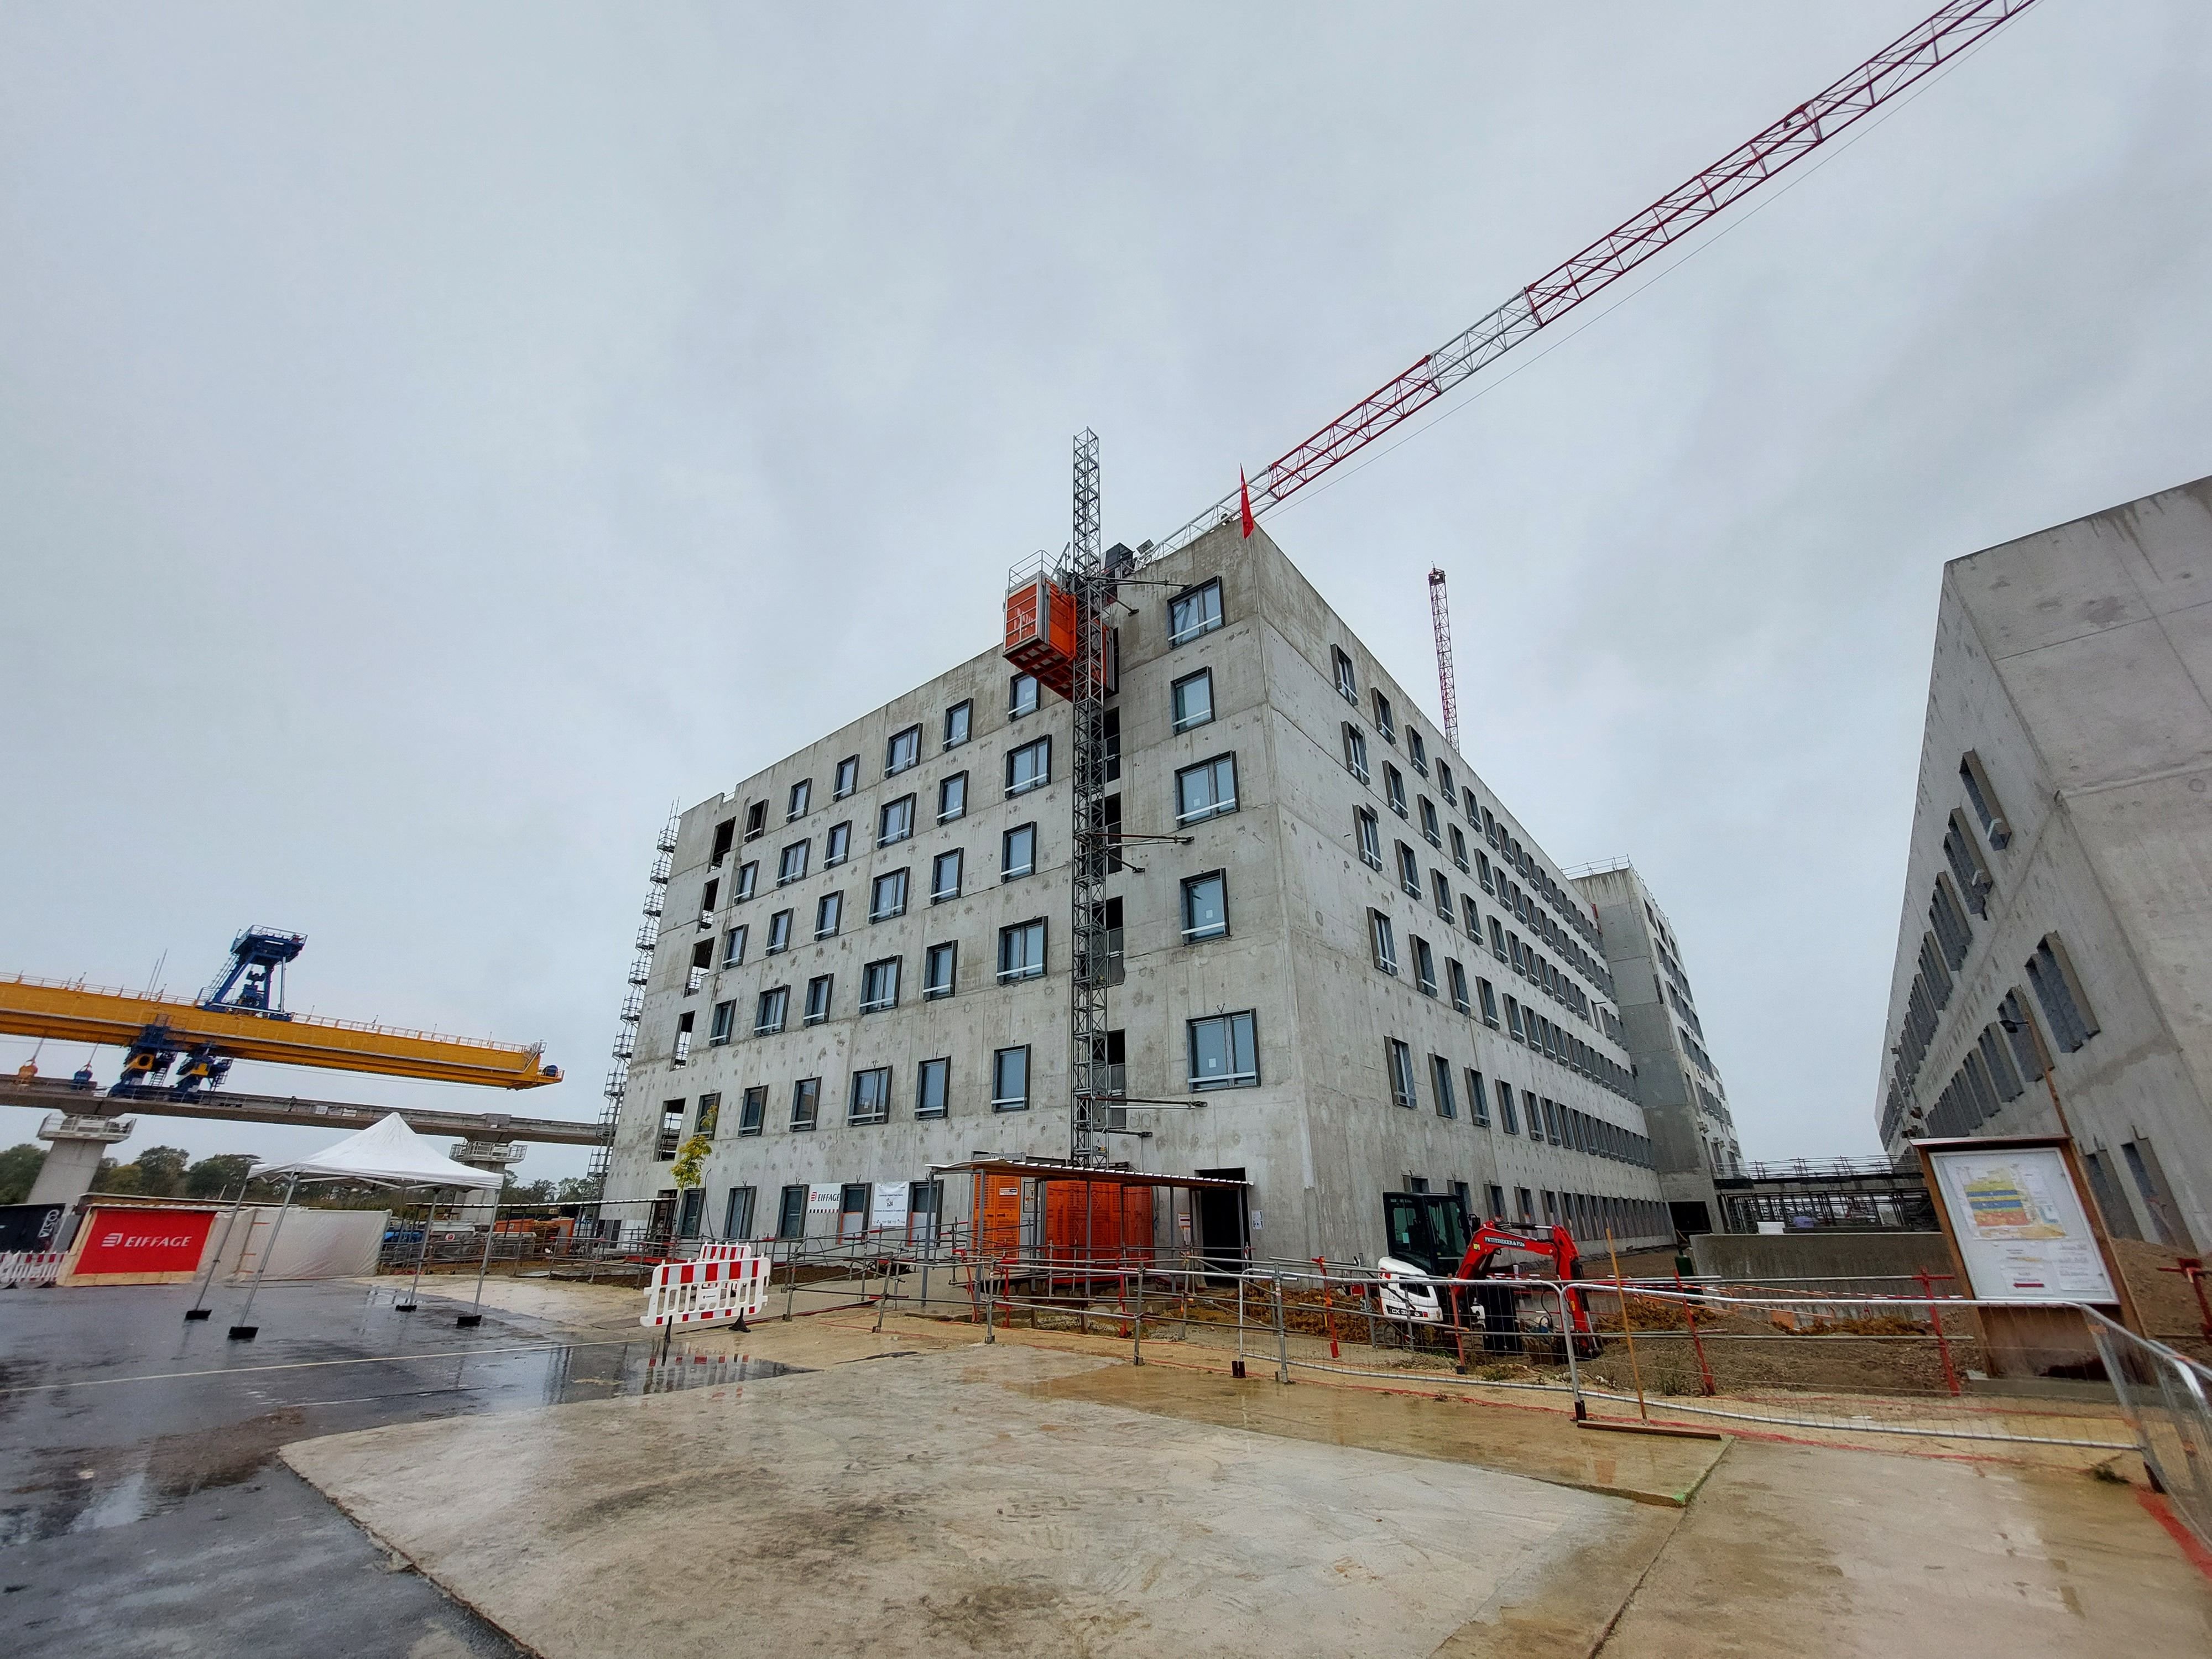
{"points": [[387, 1153]]}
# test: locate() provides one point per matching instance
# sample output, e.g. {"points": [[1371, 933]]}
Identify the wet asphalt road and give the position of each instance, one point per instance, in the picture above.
{"points": [[142, 1508]]}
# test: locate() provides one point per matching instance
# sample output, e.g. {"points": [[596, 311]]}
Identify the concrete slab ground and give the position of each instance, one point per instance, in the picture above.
{"points": [[945, 1504]]}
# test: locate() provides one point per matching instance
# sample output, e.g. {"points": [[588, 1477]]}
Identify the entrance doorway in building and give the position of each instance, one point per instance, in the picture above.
{"points": [[661, 1225], [1222, 1240]]}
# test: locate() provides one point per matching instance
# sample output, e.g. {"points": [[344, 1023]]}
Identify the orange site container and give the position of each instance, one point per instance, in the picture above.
{"points": [[1040, 633], [1097, 1221]]}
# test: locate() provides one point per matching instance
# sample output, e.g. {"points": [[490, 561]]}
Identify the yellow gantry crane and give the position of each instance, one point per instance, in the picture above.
{"points": [[242, 1016]]}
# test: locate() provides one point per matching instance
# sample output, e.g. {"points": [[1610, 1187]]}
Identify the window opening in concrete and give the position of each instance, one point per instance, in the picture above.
{"points": [[1205, 790], [879, 985], [903, 751], [894, 823], [933, 1087], [1195, 613], [958, 721], [768, 1015], [779, 932], [1021, 951], [871, 1100], [1010, 1080], [848, 777], [952, 798], [1192, 700], [752, 1110], [887, 895], [1204, 906], [1224, 1052], [1017, 853], [806, 1103], [1029, 767], [939, 963], [817, 1000]]}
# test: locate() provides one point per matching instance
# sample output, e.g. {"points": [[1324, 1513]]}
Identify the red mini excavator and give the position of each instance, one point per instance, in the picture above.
{"points": [[1429, 1241]]}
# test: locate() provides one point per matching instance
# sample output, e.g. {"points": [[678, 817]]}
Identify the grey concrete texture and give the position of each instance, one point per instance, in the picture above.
{"points": [[944, 1505], [1319, 1136], [1771, 1258], [2075, 664]]}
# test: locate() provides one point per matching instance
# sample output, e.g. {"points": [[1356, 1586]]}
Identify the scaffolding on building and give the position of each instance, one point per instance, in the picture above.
{"points": [[633, 1007]]}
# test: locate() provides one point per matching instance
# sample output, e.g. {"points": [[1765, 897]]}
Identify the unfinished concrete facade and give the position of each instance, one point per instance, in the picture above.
{"points": [[1352, 963], [1685, 1104], [2058, 894]]}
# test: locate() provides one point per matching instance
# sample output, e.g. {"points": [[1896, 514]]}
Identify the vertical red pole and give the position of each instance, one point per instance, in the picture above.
{"points": [[1942, 1342], [1328, 1309], [1704, 1371]]}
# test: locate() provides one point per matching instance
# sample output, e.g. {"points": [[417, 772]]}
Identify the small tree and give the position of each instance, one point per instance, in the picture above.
{"points": [[161, 1171], [689, 1170], [19, 1168], [215, 1176]]}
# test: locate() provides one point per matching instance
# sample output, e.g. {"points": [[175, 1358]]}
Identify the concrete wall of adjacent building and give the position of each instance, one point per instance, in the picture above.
{"points": [[1688, 1136], [2076, 664], [1774, 1258], [1319, 1138]]}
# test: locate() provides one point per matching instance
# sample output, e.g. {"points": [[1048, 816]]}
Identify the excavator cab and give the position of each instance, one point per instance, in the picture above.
{"points": [[1431, 1237]]}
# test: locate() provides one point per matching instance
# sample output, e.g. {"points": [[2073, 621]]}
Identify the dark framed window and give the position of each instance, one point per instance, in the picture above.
{"points": [[828, 912], [958, 719], [894, 823], [1194, 612], [748, 882], [1430, 832], [805, 1104], [1205, 790], [1440, 1085], [768, 1015], [1417, 751], [1425, 968], [801, 801], [879, 985], [1440, 891], [733, 947], [1478, 1111], [1369, 833], [1355, 751], [848, 777], [1029, 767], [944, 877], [1010, 1080], [952, 798], [904, 749], [1191, 700], [1204, 906], [752, 1110], [1399, 1061], [792, 865], [1021, 951], [871, 1098], [932, 1088], [1385, 941], [817, 1000], [1021, 696], [1394, 788], [737, 1213], [790, 1213], [1455, 977], [725, 1020], [1385, 722], [1409, 870], [779, 932], [887, 895], [1224, 1052], [939, 966], [1017, 852], [1347, 680], [837, 845]]}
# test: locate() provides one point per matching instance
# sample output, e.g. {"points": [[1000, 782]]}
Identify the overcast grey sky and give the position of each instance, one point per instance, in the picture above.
{"points": [[434, 439]]}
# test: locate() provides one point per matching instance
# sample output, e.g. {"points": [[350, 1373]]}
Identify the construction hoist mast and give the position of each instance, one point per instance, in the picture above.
{"points": [[1083, 578], [1447, 675]]}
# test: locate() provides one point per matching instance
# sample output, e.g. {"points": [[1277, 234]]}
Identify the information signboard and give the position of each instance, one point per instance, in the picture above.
{"points": [[889, 1209], [2022, 1232]]}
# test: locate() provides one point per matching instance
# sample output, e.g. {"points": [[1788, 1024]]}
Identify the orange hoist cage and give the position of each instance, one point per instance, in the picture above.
{"points": [[1040, 633]]}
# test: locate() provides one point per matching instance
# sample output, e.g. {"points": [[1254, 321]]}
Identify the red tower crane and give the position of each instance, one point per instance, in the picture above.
{"points": [[1896, 68]]}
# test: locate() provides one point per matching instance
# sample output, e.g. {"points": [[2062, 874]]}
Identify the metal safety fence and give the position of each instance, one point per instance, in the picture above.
{"points": [[2167, 1398]]}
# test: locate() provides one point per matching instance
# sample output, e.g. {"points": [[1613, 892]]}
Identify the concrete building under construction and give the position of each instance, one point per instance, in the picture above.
{"points": [[1339, 965], [2057, 894]]}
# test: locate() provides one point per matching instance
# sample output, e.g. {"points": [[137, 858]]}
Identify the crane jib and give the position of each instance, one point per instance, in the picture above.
{"points": [[1895, 68]]}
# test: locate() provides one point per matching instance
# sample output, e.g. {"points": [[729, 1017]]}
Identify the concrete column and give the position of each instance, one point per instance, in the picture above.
{"points": [[497, 1156], [75, 1144]]}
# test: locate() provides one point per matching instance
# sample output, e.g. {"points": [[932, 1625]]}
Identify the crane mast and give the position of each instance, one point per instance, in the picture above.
{"points": [[1446, 676], [1896, 68]]}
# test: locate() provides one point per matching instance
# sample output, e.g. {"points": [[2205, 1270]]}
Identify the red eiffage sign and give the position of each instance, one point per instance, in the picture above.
{"points": [[144, 1242]]}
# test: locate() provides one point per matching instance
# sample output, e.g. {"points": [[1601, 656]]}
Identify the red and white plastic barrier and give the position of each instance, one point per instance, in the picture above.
{"points": [[28, 1269], [722, 1287]]}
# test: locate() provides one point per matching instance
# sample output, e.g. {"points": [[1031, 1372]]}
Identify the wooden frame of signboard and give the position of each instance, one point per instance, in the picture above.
{"points": [[2026, 1341]]}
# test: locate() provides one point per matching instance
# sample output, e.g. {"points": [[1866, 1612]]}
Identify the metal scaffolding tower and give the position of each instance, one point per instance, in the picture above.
{"points": [[632, 1008], [1083, 578], [1447, 676]]}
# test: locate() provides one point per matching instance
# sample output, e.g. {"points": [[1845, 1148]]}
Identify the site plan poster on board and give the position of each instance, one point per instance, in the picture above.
{"points": [[2023, 1236]]}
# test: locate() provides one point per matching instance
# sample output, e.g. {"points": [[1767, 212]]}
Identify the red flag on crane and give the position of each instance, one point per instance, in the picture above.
{"points": [[1244, 502]]}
